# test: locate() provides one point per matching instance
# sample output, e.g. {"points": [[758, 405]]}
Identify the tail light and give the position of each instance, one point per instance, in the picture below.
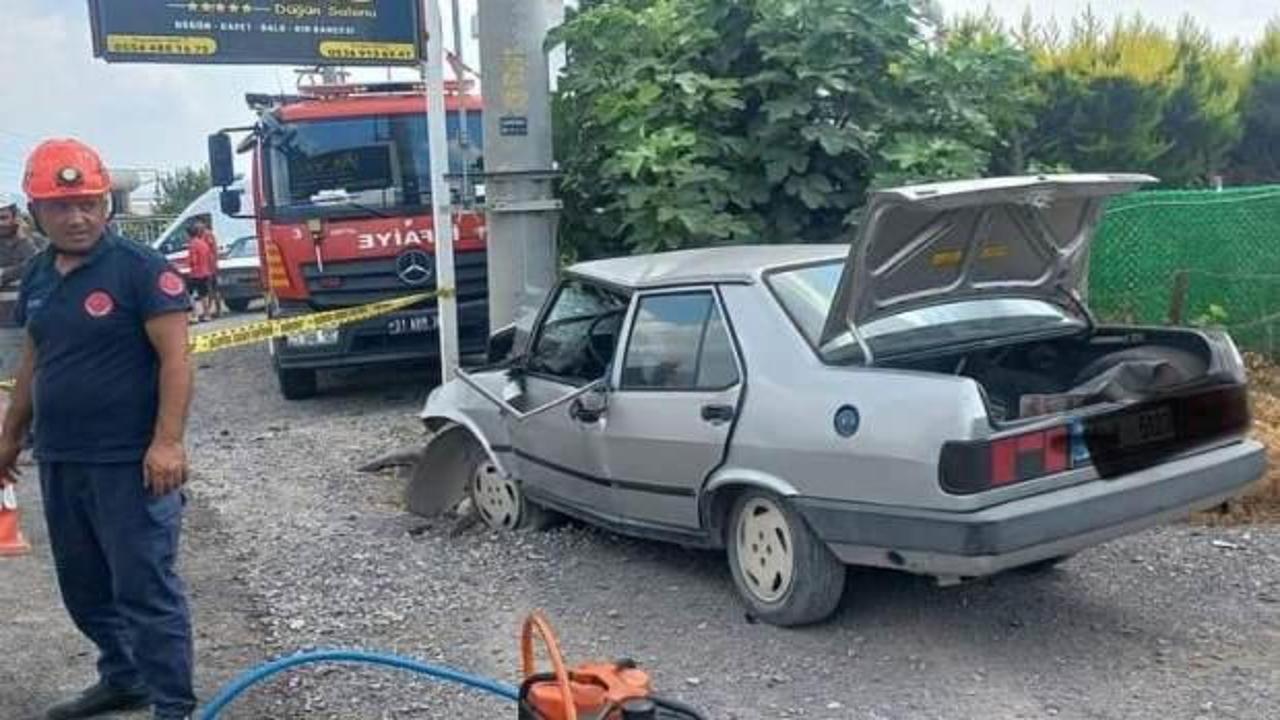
{"points": [[1126, 440], [277, 276], [970, 467]]}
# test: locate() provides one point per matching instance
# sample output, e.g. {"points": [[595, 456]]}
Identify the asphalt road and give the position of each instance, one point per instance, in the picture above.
{"points": [[290, 547]]}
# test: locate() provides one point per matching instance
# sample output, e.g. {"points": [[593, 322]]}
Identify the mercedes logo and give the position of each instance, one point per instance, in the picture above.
{"points": [[415, 268]]}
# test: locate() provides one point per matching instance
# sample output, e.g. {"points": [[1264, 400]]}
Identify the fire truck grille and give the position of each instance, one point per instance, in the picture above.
{"points": [[356, 282]]}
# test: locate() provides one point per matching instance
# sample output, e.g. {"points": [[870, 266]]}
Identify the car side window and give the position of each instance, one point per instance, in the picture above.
{"points": [[679, 342], [245, 247], [175, 242], [577, 337], [718, 367]]}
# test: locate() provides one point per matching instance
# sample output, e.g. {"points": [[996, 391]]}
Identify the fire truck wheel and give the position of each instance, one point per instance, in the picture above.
{"points": [[786, 575], [297, 384]]}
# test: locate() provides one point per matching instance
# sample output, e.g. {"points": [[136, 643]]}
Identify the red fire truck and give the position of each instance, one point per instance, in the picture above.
{"points": [[341, 194]]}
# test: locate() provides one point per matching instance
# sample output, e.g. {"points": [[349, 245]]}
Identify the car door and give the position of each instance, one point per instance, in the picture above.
{"points": [[572, 346], [674, 400]]}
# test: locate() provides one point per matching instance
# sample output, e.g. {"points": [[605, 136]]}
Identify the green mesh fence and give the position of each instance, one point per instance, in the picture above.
{"points": [[1193, 257]]}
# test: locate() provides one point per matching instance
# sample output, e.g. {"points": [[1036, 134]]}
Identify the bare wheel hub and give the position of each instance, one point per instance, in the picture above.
{"points": [[766, 555], [496, 497]]}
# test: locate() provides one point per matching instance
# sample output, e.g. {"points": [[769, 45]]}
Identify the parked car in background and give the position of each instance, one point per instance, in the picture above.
{"points": [[172, 241], [239, 277], [934, 398]]}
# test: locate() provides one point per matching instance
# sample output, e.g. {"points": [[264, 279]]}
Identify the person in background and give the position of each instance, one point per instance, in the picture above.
{"points": [[17, 243], [215, 294], [200, 258]]}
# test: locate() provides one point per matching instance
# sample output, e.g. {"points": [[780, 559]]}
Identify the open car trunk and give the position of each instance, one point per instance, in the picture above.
{"points": [[1117, 399], [1027, 380], [932, 245]]}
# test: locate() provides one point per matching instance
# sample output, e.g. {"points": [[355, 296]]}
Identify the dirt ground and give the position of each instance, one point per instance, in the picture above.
{"points": [[290, 547], [45, 659]]}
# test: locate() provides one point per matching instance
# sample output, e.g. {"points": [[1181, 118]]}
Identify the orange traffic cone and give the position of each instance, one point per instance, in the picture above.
{"points": [[11, 541]]}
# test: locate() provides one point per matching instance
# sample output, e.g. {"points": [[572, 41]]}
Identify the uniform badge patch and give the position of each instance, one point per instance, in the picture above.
{"points": [[99, 304], [171, 284]]}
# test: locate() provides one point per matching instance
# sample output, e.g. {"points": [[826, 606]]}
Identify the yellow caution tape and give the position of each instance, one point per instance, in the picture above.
{"points": [[256, 332]]}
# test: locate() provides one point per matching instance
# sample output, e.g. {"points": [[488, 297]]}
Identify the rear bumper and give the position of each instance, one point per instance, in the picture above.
{"points": [[239, 286], [369, 342], [1035, 528]]}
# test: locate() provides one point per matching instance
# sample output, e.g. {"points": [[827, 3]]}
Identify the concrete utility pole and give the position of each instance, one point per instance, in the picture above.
{"points": [[437, 139], [520, 210]]}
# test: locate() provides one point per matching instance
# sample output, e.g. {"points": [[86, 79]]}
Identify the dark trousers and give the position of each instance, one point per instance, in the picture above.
{"points": [[114, 545]]}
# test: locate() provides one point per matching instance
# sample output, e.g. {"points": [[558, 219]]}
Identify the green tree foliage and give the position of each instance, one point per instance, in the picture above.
{"points": [[178, 189], [1136, 97], [999, 76], [1201, 116], [1257, 158], [695, 122]]}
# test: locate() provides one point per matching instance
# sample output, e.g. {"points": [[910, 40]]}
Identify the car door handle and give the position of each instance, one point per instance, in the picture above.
{"points": [[717, 413]]}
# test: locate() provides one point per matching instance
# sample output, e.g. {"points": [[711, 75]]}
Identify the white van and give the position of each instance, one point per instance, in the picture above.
{"points": [[234, 236]]}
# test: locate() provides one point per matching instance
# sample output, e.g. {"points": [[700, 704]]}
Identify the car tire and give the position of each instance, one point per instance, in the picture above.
{"points": [[499, 499], [783, 572], [237, 304], [297, 384]]}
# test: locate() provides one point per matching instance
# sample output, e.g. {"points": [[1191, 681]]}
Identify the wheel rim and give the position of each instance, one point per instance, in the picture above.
{"points": [[496, 497], [766, 555]]}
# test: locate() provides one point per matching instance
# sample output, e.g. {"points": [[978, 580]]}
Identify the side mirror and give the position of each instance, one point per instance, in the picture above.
{"points": [[230, 202], [222, 166], [591, 406], [501, 344]]}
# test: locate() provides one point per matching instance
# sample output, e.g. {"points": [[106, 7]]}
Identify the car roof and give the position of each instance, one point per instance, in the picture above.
{"points": [[728, 264]]}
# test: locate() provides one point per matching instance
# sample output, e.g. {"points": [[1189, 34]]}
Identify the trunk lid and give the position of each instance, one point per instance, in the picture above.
{"points": [[927, 245]]}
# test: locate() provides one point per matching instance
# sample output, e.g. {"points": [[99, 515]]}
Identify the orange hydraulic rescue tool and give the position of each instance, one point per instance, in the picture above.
{"points": [[591, 691]]}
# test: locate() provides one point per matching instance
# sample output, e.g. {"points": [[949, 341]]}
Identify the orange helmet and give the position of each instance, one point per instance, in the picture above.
{"points": [[65, 168]]}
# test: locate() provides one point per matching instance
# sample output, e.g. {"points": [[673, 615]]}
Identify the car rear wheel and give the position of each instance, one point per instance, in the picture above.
{"points": [[237, 304], [500, 500], [786, 575]]}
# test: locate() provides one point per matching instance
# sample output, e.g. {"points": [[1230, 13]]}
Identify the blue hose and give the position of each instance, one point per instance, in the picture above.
{"points": [[262, 672]]}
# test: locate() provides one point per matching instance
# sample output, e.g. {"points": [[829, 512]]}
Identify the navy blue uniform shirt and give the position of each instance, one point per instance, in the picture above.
{"points": [[97, 379]]}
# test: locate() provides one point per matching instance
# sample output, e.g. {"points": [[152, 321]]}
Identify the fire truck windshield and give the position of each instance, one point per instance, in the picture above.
{"points": [[357, 166]]}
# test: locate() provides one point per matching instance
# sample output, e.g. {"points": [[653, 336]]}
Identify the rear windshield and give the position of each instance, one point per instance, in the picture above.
{"points": [[807, 293]]}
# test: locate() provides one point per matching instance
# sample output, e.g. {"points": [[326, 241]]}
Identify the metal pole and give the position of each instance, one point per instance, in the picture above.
{"points": [[463, 138], [438, 142]]}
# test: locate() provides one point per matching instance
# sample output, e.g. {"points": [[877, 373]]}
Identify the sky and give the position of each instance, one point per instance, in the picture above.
{"points": [[156, 117]]}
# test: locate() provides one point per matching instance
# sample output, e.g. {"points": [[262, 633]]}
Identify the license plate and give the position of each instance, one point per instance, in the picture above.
{"points": [[411, 324], [1079, 448], [1146, 427]]}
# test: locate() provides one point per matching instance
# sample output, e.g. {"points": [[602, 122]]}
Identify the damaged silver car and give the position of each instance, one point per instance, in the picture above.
{"points": [[934, 397]]}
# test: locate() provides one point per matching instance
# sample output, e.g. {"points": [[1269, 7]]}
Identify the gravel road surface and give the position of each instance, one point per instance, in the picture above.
{"points": [[289, 547]]}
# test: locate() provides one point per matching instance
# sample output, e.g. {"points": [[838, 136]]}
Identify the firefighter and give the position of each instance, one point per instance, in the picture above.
{"points": [[105, 358], [17, 246]]}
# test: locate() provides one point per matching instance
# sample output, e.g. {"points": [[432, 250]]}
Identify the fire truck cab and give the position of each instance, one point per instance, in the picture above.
{"points": [[341, 195]]}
